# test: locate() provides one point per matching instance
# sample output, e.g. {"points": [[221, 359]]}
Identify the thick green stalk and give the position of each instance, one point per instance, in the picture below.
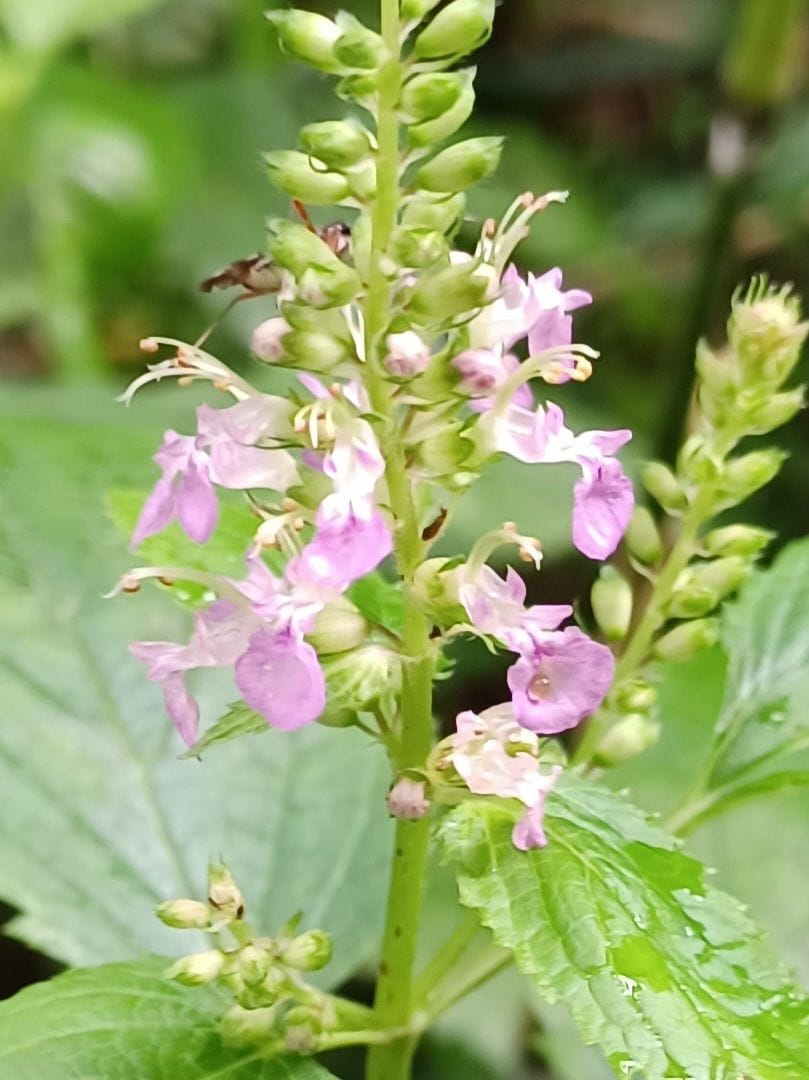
{"points": [[395, 993]]}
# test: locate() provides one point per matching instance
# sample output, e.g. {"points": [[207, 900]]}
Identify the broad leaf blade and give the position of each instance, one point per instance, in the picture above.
{"points": [[101, 821], [668, 976], [766, 637], [125, 1022]]}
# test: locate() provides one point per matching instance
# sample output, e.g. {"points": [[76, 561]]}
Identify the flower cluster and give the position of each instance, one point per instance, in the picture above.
{"points": [[418, 365]]}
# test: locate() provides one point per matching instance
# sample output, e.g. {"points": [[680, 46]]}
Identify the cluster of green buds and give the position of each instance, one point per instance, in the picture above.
{"points": [[739, 393], [264, 975]]}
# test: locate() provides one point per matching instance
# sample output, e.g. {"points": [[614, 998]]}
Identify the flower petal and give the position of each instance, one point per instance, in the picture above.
{"points": [[280, 677]]}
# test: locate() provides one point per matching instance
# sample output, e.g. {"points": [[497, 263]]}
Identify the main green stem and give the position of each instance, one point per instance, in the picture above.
{"points": [[394, 1001]]}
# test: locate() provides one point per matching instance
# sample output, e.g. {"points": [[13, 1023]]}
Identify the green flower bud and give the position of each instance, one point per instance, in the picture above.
{"points": [[443, 455], [338, 627], [243, 1027], [308, 37], [636, 695], [766, 332], [446, 293], [184, 914], [462, 165], [690, 599], [611, 598], [459, 28], [697, 462], [663, 485], [300, 177], [254, 964], [199, 969], [642, 537], [308, 952], [426, 96], [419, 248], [301, 1029], [313, 351], [362, 179], [415, 10], [723, 576], [436, 585], [439, 213], [323, 279], [441, 127], [357, 678], [688, 639], [357, 46], [359, 88], [325, 287], [224, 894], [627, 739], [774, 411], [745, 474], [737, 540], [337, 143]]}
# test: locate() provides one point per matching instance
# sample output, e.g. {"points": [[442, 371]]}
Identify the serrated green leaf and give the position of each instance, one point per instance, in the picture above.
{"points": [[766, 637], [101, 822], [223, 554], [668, 976], [125, 1022], [239, 720]]}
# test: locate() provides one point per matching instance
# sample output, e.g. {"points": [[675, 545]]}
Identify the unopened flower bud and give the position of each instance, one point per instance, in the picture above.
{"points": [[419, 248], [690, 598], [766, 332], [723, 576], [416, 9], [459, 28], [426, 96], [636, 695], [746, 474], [437, 586], [314, 351], [448, 292], [243, 1027], [337, 143], [298, 176], [337, 627], [642, 538], [439, 213], [663, 485], [359, 88], [223, 893], [357, 678], [307, 36], [746, 540], [267, 337], [184, 914], [357, 46], [627, 739], [406, 354], [254, 964], [774, 411], [461, 165], [301, 1029], [327, 286], [199, 969], [407, 799], [443, 455], [611, 598], [362, 178], [688, 639], [308, 952]]}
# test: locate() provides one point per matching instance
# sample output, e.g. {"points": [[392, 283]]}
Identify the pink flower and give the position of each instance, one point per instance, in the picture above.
{"points": [[279, 676], [603, 497], [407, 355], [494, 755], [350, 540], [496, 607], [549, 307], [560, 681], [184, 491], [483, 372]]}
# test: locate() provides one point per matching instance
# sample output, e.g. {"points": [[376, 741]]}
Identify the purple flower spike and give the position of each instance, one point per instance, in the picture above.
{"points": [[563, 679], [280, 677], [185, 491]]}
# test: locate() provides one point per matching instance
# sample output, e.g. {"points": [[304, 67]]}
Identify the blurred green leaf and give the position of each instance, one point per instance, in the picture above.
{"points": [[101, 822], [47, 25], [668, 976], [766, 636], [126, 1020]]}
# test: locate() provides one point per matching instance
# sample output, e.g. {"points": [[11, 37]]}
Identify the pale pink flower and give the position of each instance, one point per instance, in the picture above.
{"points": [[406, 355], [497, 607]]}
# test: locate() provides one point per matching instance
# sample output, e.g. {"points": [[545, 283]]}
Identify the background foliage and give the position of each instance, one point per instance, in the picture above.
{"points": [[130, 133]]}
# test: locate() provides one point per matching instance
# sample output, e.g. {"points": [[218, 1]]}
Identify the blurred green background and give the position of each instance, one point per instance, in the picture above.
{"points": [[130, 140]]}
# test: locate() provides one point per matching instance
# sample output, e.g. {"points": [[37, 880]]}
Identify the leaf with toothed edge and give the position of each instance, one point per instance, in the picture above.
{"points": [[666, 974]]}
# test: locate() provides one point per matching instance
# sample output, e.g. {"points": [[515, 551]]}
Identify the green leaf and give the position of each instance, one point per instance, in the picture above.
{"points": [[101, 822], [668, 976], [239, 720], [380, 601], [223, 554], [766, 637], [126, 1021], [50, 24]]}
